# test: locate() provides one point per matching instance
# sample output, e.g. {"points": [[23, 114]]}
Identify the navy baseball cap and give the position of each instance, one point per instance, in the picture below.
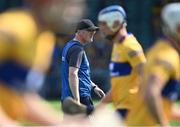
{"points": [[86, 24]]}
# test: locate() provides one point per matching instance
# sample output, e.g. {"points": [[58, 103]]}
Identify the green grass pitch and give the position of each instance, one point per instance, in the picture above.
{"points": [[56, 105]]}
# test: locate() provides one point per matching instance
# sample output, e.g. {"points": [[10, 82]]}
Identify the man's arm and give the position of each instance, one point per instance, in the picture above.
{"points": [[159, 73], [152, 94], [75, 55], [137, 59], [74, 83]]}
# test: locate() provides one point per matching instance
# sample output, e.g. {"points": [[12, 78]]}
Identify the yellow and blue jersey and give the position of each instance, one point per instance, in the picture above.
{"points": [[127, 53], [22, 47], [164, 61]]}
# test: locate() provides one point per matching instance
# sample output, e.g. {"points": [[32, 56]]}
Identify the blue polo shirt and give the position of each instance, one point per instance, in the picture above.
{"points": [[83, 73]]}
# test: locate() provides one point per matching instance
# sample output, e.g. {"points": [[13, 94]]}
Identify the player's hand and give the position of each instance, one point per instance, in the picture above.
{"points": [[99, 92]]}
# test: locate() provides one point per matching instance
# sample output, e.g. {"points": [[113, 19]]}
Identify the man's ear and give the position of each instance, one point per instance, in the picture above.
{"points": [[116, 24], [80, 32]]}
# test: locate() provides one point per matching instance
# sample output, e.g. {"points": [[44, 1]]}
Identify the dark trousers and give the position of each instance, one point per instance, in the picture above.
{"points": [[88, 102]]}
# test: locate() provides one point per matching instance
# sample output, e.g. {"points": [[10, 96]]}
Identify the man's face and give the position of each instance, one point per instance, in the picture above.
{"points": [[88, 35]]}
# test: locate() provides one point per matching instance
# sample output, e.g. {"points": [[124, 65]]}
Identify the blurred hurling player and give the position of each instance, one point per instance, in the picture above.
{"points": [[26, 46], [126, 61], [161, 74]]}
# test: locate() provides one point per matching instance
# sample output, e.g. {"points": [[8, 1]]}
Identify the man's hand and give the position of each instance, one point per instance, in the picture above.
{"points": [[99, 92]]}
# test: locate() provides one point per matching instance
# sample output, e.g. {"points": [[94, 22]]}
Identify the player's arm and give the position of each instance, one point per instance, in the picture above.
{"points": [[41, 60], [153, 98], [74, 56], [44, 50], [136, 58], [159, 74]]}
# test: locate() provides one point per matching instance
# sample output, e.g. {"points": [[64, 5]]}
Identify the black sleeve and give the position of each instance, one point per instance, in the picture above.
{"points": [[75, 55]]}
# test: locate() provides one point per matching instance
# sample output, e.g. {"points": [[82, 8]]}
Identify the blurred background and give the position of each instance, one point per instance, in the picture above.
{"points": [[143, 17]]}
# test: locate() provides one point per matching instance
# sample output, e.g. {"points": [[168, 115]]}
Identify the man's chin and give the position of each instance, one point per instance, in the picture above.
{"points": [[109, 37]]}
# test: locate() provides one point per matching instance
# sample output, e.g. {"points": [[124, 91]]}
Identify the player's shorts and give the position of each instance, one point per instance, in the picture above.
{"points": [[12, 103], [122, 113]]}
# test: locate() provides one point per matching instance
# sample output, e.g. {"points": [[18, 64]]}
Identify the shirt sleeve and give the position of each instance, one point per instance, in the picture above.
{"points": [[162, 68], [135, 55], [75, 55]]}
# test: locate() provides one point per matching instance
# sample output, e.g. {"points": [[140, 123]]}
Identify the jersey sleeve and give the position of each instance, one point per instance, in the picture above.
{"points": [[74, 56], [162, 68], [44, 50], [135, 55]]}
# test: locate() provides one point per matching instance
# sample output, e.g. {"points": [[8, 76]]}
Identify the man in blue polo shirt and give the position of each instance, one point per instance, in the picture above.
{"points": [[76, 81]]}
